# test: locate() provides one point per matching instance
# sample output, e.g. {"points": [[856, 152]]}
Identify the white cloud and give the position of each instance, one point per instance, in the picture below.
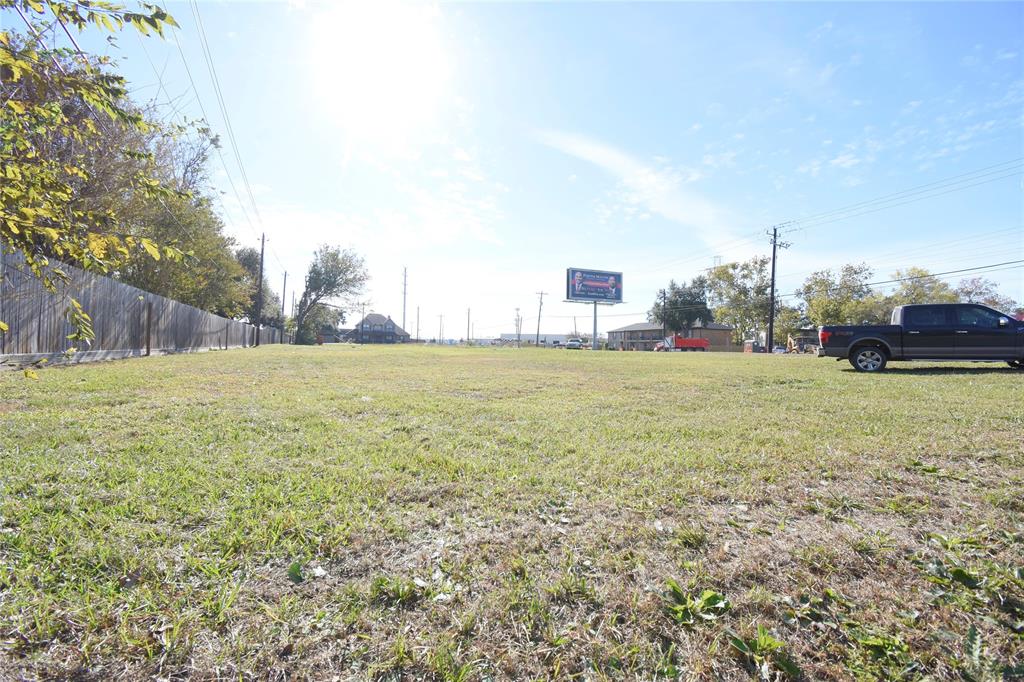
{"points": [[646, 188], [845, 160], [722, 160]]}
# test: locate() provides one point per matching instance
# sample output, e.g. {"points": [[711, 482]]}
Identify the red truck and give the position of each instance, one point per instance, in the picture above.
{"points": [[681, 343]]}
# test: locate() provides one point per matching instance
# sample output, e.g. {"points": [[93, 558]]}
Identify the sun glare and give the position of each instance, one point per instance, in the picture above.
{"points": [[380, 71]]}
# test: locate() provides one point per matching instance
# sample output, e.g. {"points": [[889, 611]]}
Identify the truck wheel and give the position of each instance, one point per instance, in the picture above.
{"points": [[868, 359], [1016, 364]]}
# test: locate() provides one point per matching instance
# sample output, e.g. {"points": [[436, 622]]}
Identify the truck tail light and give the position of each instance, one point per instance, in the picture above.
{"points": [[823, 337]]}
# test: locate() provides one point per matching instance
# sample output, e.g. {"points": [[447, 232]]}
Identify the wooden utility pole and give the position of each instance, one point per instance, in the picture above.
{"points": [[417, 323], [540, 307], [284, 290], [664, 314], [405, 288], [776, 245], [259, 290], [468, 337]]}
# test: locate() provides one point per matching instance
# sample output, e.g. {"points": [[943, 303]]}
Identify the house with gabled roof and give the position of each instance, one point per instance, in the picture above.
{"points": [[376, 328]]}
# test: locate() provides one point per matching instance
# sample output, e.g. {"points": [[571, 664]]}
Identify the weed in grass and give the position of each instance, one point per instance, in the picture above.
{"points": [[763, 654], [688, 610], [690, 536], [881, 656], [394, 591], [874, 545], [573, 589]]}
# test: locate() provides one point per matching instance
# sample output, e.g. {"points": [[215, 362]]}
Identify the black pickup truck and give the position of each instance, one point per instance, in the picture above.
{"points": [[952, 331]]}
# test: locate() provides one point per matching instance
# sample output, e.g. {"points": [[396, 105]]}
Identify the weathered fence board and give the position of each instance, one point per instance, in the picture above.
{"points": [[126, 321]]}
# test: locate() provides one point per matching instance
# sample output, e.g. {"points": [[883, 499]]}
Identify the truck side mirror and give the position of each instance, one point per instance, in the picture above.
{"points": [[1004, 322]]}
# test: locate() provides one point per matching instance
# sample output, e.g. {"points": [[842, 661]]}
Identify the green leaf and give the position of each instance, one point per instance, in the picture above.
{"points": [[295, 573], [974, 646]]}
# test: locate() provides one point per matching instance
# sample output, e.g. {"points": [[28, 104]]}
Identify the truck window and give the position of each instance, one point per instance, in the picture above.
{"points": [[925, 316], [972, 316]]}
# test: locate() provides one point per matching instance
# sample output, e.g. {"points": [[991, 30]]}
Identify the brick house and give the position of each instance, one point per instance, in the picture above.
{"points": [[644, 335], [376, 328]]}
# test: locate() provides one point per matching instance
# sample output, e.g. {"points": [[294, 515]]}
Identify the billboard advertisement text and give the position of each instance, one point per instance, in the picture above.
{"points": [[593, 285]]}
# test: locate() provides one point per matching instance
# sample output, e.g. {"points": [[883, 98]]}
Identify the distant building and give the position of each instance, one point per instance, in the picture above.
{"points": [[644, 335], [375, 328]]}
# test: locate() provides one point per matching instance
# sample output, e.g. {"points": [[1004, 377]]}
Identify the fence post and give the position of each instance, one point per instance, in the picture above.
{"points": [[149, 325]]}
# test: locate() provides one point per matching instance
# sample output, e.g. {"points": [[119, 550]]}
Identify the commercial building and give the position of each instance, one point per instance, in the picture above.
{"points": [[644, 335]]}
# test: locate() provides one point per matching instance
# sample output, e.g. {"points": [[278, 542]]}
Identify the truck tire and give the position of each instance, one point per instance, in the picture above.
{"points": [[1016, 364], [868, 359]]}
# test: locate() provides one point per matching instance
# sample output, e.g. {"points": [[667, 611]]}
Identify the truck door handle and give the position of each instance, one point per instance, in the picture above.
{"points": [[960, 331], [913, 332]]}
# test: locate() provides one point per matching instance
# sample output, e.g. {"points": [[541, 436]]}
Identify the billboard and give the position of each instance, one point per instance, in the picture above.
{"points": [[593, 285]]}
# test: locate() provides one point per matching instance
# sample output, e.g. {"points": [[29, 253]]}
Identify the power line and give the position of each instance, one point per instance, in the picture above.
{"points": [[1015, 265], [208, 56], [955, 179]]}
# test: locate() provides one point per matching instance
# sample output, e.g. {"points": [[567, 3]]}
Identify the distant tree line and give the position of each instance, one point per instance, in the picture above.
{"points": [[739, 295]]}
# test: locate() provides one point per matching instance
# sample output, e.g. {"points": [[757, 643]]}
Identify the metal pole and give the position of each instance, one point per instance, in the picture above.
{"points": [[468, 338], [593, 341], [405, 287], [417, 323]]}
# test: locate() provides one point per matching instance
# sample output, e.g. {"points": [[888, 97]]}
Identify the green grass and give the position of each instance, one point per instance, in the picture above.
{"points": [[443, 513]]}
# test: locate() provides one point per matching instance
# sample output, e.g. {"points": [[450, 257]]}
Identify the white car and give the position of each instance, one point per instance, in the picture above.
{"points": [[574, 344]]}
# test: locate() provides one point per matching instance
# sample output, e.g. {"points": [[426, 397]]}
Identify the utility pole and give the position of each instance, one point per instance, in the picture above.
{"points": [[417, 323], [664, 314], [519, 329], [540, 307], [405, 288], [468, 337], [293, 304], [440, 328], [259, 290], [776, 245], [284, 290]]}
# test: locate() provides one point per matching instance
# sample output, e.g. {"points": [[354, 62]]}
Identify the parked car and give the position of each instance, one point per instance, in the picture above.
{"points": [[952, 331], [574, 344], [779, 349]]}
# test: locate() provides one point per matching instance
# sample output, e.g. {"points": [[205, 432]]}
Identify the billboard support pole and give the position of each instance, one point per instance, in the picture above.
{"points": [[593, 340]]}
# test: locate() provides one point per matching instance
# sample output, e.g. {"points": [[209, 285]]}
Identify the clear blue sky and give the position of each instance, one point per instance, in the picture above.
{"points": [[489, 146]]}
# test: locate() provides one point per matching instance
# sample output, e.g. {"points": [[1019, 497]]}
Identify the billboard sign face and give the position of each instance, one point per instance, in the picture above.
{"points": [[593, 285]]}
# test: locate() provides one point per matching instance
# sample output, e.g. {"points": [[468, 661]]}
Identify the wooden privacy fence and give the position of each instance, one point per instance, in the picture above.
{"points": [[126, 321]]}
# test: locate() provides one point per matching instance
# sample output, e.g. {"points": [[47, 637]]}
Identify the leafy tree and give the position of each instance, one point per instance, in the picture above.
{"points": [[788, 321], [334, 273], [919, 286], [55, 106], [249, 258], [740, 295], [831, 298], [984, 291], [679, 306], [208, 277]]}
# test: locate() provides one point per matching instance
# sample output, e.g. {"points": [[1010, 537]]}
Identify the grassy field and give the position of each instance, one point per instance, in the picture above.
{"points": [[457, 514]]}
